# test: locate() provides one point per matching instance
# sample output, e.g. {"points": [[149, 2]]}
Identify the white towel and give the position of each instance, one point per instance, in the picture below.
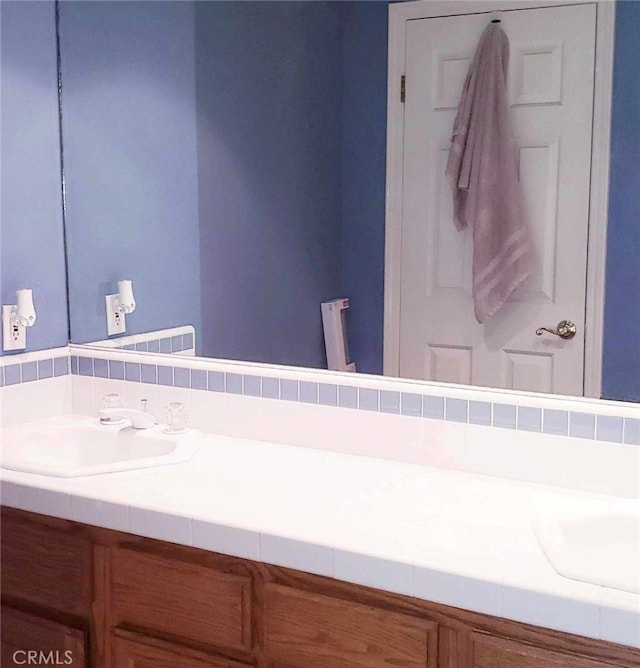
{"points": [[482, 172]]}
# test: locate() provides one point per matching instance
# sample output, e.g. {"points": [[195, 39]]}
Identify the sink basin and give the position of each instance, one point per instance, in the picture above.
{"points": [[72, 446], [598, 545]]}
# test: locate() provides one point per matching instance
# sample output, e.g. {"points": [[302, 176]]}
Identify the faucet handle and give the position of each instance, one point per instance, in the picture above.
{"points": [[113, 400], [176, 416]]}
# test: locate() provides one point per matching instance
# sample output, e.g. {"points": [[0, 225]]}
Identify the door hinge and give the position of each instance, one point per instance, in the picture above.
{"points": [[403, 88]]}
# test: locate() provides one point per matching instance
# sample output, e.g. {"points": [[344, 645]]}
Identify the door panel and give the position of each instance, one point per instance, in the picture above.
{"points": [[550, 86], [46, 565], [147, 653], [492, 652], [305, 630], [185, 600], [30, 640]]}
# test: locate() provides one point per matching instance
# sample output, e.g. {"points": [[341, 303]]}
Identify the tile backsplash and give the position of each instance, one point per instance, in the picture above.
{"points": [[29, 367], [181, 340], [562, 441], [517, 416]]}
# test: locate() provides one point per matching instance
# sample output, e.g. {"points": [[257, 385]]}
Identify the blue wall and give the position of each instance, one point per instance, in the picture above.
{"points": [[363, 179], [622, 319], [130, 157], [32, 254], [269, 87]]}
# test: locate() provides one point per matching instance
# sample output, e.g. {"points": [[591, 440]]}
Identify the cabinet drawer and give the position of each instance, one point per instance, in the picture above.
{"points": [[493, 652], [147, 653], [30, 640], [181, 599], [304, 630], [46, 564]]}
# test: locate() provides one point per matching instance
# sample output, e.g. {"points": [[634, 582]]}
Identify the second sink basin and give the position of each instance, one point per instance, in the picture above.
{"points": [[596, 545], [72, 446]]}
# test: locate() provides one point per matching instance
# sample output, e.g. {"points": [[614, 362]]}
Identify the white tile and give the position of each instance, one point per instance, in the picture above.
{"points": [[276, 421], [207, 411], [45, 501], [386, 574], [295, 554], [159, 525], [514, 455], [563, 613], [388, 436], [243, 416], [100, 513], [620, 617], [457, 590], [225, 539], [446, 444], [8, 493], [559, 461], [37, 400], [83, 396]]}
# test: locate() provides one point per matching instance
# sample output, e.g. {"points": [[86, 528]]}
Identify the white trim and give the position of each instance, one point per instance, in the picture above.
{"points": [[399, 14], [599, 200], [33, 356]]}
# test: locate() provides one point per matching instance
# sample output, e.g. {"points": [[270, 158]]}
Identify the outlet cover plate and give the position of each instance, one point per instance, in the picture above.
{"points": [[14, 337], [115, 318]]}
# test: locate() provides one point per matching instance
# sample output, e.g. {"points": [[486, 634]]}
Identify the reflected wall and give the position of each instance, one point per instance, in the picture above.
{"points": [[31, 234], [130, 162]]}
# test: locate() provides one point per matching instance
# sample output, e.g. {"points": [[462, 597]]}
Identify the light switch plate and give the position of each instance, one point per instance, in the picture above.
{"points": [[115, 318], [14, 337]]}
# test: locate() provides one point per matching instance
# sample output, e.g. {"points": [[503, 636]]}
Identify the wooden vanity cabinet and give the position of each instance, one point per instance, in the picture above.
{"points": [[121, 601]]}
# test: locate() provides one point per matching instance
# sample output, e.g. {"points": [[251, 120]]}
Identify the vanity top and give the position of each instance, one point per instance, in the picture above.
{"points": [[455, 538]]}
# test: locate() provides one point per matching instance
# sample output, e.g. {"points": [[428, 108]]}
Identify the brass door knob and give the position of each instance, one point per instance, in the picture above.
{"points": [[565, 330]]}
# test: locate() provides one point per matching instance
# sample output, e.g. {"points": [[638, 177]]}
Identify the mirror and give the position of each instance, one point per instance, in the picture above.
{"points": [[229, 158]]}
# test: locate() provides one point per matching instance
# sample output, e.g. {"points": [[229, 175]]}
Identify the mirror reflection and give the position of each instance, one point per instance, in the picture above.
{"points": [[231, 166]]}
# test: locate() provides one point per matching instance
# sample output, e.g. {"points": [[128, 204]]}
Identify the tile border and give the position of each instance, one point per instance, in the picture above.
{"points": [[546, 415], [13, 371], [167, 341], [524, 417]]}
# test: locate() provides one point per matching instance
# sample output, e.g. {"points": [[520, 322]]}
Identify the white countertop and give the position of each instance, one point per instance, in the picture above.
{"points": [[455, 538]]}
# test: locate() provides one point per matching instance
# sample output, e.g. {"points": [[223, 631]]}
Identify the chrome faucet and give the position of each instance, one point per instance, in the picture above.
{"points": [[138, 419]]}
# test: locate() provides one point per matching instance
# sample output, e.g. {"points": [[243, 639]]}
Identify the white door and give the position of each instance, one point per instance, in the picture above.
{"points": [[551, 75]]}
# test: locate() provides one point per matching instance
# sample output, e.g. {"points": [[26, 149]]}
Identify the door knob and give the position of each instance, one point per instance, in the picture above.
{"points": [[565, 330]]}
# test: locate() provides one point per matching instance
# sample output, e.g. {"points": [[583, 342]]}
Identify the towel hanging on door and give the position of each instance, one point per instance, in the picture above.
{"points": [[482, 172]]}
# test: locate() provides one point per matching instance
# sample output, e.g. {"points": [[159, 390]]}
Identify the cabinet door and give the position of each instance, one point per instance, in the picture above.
{"points": [[29, 640], [47, 563], [149, 653], [492, 652], [304, 630], [184, 600]]}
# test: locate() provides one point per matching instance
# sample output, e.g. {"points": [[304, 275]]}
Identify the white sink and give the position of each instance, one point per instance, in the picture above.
{"points": [[598, 544], [72, 446]]}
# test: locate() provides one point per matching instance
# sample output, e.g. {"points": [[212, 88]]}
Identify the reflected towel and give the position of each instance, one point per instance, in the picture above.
{"points": [[482, 172]]}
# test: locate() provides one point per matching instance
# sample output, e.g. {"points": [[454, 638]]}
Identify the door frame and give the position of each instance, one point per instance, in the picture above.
{"points": [[399, 14]]}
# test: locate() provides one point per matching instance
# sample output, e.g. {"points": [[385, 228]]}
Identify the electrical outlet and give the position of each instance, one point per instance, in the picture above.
{"points": [[14, 337], [115, 318]]}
